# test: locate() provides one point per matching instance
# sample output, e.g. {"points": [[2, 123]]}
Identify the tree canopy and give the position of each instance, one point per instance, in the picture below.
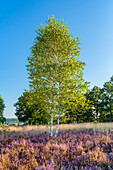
{"points": [[2, 107], [29, 108]]}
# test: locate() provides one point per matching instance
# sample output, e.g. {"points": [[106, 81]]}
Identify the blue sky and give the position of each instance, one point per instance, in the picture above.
{"points": [[92, 20]]}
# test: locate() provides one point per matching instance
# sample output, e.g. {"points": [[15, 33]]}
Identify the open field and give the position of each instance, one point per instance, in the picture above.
{"points": [[45, 128], [77, 146]]}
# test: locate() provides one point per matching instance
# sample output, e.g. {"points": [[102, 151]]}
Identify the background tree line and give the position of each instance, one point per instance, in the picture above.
{"points": [[97, 105]]}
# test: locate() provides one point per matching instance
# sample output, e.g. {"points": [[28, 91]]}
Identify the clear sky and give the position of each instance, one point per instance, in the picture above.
{"points": [[92, 20]]}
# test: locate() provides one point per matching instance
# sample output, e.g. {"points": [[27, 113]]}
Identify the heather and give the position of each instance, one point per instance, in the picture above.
{"points": [[88, 148]]}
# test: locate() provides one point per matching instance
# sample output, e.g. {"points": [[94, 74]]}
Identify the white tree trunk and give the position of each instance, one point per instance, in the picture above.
{"points": [[51, 123], [57, 127]]}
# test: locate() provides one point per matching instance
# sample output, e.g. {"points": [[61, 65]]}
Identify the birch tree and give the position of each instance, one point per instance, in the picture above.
{"points": [[55, 71]]}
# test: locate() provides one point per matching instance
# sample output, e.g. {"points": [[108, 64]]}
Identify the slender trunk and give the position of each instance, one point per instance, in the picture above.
{"points": [[57, 127], [51, 123], [57, 121], [97, 113], [77, 118], [110, 113], [53, 88], [29, 122]]}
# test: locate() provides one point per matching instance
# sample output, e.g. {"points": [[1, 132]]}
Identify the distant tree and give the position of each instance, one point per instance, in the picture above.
{"points": [[28, 108], [54, 69], [2, 120], [95, 97], [81, 112], [108, 98], [2, 107]]}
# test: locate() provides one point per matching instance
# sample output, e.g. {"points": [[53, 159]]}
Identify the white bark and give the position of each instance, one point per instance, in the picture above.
{"points": [[51, 123], [57, 127]]}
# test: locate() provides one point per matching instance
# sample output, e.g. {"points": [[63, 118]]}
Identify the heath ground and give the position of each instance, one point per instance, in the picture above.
{"points": [[77, 146]]}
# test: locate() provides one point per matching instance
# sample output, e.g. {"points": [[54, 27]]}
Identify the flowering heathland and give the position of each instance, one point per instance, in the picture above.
{"points": [[71, 149]]}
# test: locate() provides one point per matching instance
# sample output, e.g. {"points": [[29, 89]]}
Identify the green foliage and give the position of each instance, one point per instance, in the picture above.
{"points": [[82, 112], [101, 101], [29, 108], [108, 97], [2, 120], [95, 121], [95, 97], [98, 108], [2, 106]]}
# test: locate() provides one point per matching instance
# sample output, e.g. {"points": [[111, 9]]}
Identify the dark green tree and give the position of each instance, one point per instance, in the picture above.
{"points": [[108, 98], [82, 112], [95, 97], [29, 108], [2, 107]]}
